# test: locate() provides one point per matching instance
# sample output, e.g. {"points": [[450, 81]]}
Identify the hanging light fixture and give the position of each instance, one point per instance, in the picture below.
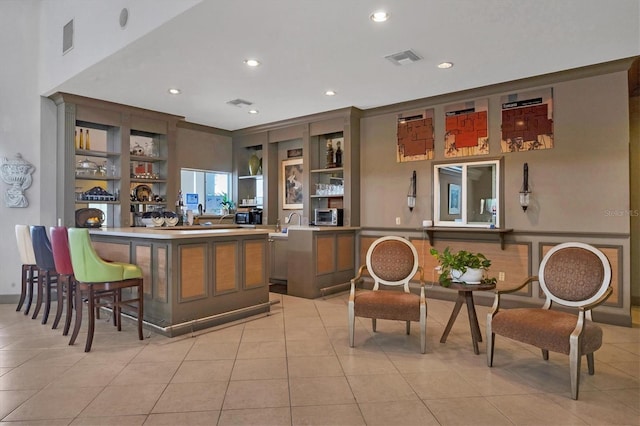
{"points": [[524, 191], [411, 195]]}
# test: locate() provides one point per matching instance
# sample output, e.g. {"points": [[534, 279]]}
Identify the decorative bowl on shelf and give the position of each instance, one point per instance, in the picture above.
{"points": [[151, 222], [171, 221]]}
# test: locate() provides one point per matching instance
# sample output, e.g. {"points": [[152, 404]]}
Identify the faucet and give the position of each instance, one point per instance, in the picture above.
{"points": [[288, 218], [223, 217]]}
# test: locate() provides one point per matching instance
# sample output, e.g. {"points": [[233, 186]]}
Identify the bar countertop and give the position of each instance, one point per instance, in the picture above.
{"points": [[177, 233]]}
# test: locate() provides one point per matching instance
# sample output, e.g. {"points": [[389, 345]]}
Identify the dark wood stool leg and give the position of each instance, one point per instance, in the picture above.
{"points": [[140, 310], [60, 296], [47, 297], [70, 304], [36, 310], [116, 309], [33, 280], [92, 319], [78, 323], [23, 292]]}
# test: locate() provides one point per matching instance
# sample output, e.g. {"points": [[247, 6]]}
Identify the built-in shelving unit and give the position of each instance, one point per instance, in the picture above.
{"points": [[128, 147]]}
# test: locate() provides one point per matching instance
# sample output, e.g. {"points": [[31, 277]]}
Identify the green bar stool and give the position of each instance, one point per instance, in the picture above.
{"points": [[95, 278]]}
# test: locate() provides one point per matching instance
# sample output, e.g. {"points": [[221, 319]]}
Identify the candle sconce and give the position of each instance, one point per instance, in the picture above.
{"points": [[411, 195], [524, 191]]}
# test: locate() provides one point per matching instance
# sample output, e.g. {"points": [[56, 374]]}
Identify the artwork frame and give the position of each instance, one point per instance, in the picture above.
{"points": [[292, 184], [454, 198]]}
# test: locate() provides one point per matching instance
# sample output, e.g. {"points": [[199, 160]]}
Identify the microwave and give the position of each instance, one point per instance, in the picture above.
{"points": [[252, 217], [329, 217]]}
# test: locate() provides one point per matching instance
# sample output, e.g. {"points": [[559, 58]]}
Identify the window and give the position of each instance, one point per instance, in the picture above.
{"points": [[205, 188], [467, 194]]}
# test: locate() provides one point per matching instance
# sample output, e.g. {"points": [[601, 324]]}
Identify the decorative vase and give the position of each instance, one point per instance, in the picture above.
{"points": [[254, 164], [470, 276]]}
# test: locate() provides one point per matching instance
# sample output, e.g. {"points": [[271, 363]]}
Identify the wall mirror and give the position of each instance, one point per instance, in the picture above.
{"points": [[468, 194]]}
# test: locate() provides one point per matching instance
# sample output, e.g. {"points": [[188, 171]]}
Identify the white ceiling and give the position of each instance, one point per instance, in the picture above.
{"points": [[309, 46]]}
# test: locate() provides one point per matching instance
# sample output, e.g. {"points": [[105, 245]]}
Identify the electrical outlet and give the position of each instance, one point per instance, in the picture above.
{"points": [[398, 221], [500, 276]]}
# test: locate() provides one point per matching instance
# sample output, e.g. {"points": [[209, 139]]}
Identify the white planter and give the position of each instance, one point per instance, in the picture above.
{"points": [[471, 276]]}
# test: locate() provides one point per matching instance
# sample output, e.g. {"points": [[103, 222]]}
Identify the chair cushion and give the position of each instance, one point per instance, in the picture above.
{"points": [[392, 260], [574, 274], [129, 270], [545, 329], [387, 304]]}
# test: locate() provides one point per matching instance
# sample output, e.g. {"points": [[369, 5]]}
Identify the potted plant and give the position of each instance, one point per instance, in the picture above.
{"points": [[226, 203], [462, 266]]}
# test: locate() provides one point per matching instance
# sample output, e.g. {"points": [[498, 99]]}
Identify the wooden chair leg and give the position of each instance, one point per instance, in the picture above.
{"points": [[545, 354], [33, 279], [590, 364], [92, 319], [36, 310], [408, 327], [23, 291], [60, 296], [47, 297], [140, 310], [71, 302], [78, 323], [116, 309], [373, 324]]}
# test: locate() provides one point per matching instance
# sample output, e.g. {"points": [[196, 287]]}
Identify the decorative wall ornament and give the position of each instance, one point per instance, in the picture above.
{"points": [[416, 137], [527, 121], [16, 173], [466, 129]]}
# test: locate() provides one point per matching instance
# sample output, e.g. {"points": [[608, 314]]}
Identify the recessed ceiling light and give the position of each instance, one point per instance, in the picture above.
{"points": [[445, 65], [253, 111], [252, 62], [330, 93], [174, 91], [379, 16]]}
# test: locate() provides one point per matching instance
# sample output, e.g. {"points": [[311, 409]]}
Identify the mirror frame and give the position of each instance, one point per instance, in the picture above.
{"points": [[499, 184]]}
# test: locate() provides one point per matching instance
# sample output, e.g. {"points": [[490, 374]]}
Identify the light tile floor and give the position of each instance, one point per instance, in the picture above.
{"points": [[294, 367]]}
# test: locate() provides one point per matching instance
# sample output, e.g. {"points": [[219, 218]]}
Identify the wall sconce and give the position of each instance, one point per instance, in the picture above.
{"points": [[524, 191], [411, 195]]}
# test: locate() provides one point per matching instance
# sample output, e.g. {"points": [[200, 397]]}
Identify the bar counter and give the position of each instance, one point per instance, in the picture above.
{"points": [[194, 277]]}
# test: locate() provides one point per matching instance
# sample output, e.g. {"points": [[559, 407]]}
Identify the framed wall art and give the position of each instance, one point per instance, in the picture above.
{"points": [[292, 189]]}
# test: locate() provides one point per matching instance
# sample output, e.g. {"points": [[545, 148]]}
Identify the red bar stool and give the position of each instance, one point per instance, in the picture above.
{"points": [[94, 276], [29, 267], [64, 268]]}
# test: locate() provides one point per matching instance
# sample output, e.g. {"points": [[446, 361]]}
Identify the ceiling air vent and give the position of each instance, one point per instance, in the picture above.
{"points": [[403, 58], [67, 37], [239, 103]]}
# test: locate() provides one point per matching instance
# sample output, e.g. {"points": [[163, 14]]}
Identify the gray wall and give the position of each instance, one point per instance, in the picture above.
{"points": [[204, 148], [576, 185]]}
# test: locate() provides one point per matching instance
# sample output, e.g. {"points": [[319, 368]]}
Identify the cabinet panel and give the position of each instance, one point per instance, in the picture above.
{"points": [[325, 254], [254, 264], [143, 260], [226, 262], [346, 252], [193, 271], [279, 261]]}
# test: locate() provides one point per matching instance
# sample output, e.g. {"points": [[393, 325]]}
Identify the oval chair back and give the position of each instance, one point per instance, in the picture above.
{"points": [[25, 246]]}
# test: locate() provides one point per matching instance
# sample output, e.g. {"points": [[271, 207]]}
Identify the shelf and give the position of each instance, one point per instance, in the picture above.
{"points": [[141, 180], [250, 205], [471, 230], [83, 202], [99, 154], [149, 203], [250, 177], [331, 170], [146, 159], [102, 178], [327, 196]]}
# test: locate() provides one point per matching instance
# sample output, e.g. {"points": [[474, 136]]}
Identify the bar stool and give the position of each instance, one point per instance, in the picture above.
{"points": [[62, 259], [94, 276], [29, 267], [47, 275]]}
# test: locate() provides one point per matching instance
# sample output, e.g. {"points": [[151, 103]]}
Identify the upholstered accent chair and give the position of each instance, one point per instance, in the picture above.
{"points": [[575, 276], [47, 275], [96, 278], [391, 262]]}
